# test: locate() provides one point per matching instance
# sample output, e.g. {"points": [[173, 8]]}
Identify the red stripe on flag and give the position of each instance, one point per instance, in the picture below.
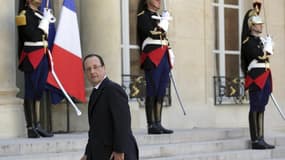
{"points": [[68, 68]]}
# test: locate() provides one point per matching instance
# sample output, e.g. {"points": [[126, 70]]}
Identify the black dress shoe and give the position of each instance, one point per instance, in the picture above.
{"points": [[42, 132], [154, 129], [32, 133], [261, 144], [164, 130], [268, 146]]}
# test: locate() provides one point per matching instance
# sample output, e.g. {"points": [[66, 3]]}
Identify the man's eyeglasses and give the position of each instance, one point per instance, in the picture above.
{"points": [[93, 67]]}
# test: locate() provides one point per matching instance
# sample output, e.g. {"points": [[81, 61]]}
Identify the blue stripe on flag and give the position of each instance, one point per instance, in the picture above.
{"points": [[70, 5]]}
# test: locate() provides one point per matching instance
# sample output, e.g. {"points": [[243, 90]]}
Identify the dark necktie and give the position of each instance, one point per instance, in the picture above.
{"points": [[92, 97]]}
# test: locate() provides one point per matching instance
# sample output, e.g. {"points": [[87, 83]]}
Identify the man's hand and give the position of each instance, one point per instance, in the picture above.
{"points": [[83, 157], [117, 156]]}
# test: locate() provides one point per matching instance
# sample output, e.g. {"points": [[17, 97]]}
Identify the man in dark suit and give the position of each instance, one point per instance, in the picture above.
{"points": [[110, 135]]}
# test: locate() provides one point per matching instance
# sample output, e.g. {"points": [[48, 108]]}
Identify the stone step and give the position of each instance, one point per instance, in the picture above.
{"points": [[165, 150], [192, 135], [46, 156], [77, 141], [197, 143], [279, 152], [228, 155], [56, 144], [242, 154]]}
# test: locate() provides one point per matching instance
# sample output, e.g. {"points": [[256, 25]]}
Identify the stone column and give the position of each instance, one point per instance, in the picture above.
{"points": [[12, 123], [100, 33]]}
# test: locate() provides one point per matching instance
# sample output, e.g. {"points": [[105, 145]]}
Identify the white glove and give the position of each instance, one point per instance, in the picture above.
{"points": [[47, 18], [163, 24], [268, 45], [44, 25], [165, 17], [48, 15]]}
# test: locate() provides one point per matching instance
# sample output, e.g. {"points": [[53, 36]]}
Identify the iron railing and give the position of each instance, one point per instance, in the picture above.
{"points": [[135, 86], [229, 90]]}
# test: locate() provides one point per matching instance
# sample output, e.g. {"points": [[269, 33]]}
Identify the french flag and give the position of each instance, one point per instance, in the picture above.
{"points": [[66, 54]]}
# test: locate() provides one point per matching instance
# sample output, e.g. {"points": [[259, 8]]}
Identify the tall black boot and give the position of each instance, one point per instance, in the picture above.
{"points": [[157, 116], [256, 131], [29, 109], [252, 118], [149, 110], [260, 121], [38, 127]]}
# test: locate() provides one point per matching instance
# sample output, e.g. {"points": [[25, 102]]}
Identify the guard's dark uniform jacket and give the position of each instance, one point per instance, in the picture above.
{"points": [[32, 40], [255, 66], [33, 58], [255, 63], [153, 41]]}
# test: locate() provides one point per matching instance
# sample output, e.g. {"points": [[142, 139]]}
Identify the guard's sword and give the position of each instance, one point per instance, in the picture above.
{"points": [[271, 95], [47, 3], [164, 5], [176, 91], [277, 106], [171, 74]]}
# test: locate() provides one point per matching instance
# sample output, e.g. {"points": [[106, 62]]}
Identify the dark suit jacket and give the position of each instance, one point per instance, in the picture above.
{"points": [[110, 124]]}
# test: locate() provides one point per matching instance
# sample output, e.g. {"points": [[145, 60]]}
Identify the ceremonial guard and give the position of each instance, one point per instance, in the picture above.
{"points": [[255, 53], [33, 61], [155, 60]]}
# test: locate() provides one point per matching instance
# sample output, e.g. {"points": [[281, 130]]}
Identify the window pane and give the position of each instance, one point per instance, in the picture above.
{"points": [[232, 65], [231, 29], [216, 21], [233, 2], [135, 62], [133, 20]]}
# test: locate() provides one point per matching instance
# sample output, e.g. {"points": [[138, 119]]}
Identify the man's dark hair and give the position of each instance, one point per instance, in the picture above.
{"points": [[93, 55]]}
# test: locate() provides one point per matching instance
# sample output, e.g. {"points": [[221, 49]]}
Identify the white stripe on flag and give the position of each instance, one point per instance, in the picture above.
{"points": [[68, 32]]}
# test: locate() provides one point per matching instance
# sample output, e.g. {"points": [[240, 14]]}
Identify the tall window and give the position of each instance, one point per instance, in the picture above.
{"points": [[132, 78], [129, 46], [228, 86], [227, 41]]}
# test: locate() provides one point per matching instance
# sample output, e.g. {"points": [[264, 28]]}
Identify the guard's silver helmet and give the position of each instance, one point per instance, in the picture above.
{"points": [[255, 19]]}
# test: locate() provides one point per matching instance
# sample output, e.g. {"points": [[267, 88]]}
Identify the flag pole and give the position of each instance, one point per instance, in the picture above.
{"points": [[78, 112], [47, 3]]}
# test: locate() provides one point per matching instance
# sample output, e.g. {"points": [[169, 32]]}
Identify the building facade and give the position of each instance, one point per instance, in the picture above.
{"points": [[205, 37]]}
